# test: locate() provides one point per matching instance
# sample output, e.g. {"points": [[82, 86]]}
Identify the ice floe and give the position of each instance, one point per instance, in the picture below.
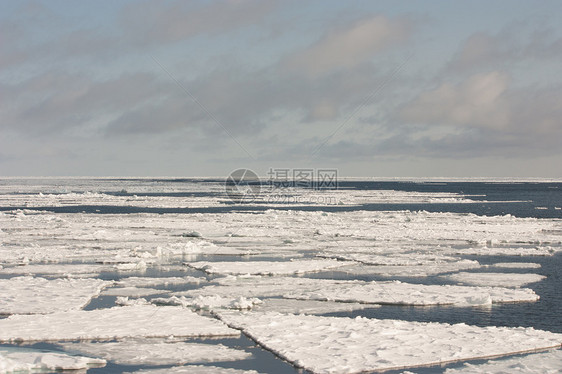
{"points": [[61, 270], [28, 295], [133, 291], [344, 345], [21, 360], [546, 363], [158, 281], [265, 267], [391, 292], [116, 323], [411, 270], [195, 369], [210, 302], [147, 352], [494, 279], [516, 265]]}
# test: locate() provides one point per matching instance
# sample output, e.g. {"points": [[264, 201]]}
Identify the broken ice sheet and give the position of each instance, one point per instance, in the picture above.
{"points": [[393, 292], [546, 363], [164, 281], [344, 345], [494, 279], [194, 369], [516, 265], [410, 270], [61, 270], [23, 360], [28, 295], [138, 321], [148, 352], [209, 302], [133, 291], [266, 267]]}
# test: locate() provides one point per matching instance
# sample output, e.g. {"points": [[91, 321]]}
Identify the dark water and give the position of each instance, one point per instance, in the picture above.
{"points": [[517, 199]]}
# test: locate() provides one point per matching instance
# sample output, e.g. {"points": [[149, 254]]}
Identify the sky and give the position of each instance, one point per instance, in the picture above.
{"points": [[200, 88]]}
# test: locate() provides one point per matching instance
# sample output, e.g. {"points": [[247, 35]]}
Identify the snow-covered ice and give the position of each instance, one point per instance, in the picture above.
{"points": [[138, 321], [266, 267], [21, 360], [62, 270], [495, 279], [546, 363], [28, 295], [158, 281], [344, 345], [133, 291], [210, 302], [195, 369], [391, 292], [149, 352], [411, 270], [516, 265]]}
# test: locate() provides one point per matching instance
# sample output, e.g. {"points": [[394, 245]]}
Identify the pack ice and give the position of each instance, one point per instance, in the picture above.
{"points": [[137, 321], [345, 345], [21, 360], [27, 295]]}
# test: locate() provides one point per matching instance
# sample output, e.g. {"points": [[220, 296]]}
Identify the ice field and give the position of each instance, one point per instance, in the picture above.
{"points": [[169, 276]]}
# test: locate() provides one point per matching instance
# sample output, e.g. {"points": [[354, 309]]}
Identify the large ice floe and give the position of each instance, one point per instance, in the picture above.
{"points": [[150, 352], [138, 321], [544, 363], [266, 267], [495, 279], [195, 369], [391, 292], [344, 345], [27, 295], [21, 360]]}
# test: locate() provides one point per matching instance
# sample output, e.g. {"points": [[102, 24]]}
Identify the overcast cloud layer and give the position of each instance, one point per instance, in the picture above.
{"points": [[199, 88]]}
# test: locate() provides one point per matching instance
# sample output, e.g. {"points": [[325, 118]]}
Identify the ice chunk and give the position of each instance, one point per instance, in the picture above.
{"points": [[116, 323], [545, 363], [151, 282], [495, 279], [146, 352], [125, 301], [517, 265], [132, 291], [28, 295], [23, 360], [210, 302], [308, 306], [396, 259], [266, 267], [192, 369], [344, 345]]}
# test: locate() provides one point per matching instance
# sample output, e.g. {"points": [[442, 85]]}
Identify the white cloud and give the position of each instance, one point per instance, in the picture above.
{"points": [[349, 47], [479, 101]]}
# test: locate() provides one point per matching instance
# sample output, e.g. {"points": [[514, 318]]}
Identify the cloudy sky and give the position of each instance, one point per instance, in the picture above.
{"points": [[199, 88]]}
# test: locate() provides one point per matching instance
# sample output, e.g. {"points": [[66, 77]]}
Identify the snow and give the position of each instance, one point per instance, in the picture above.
{"points": [[28, 295], [116, 323], [411, 270], [61, 270], [393, 292], [266, 267], [546, 363], [195, 369], [27, 360], [344, 345], [517, 265], [210, 302], [495, 279], [158, 281], [147, 352], [133, 291]]}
